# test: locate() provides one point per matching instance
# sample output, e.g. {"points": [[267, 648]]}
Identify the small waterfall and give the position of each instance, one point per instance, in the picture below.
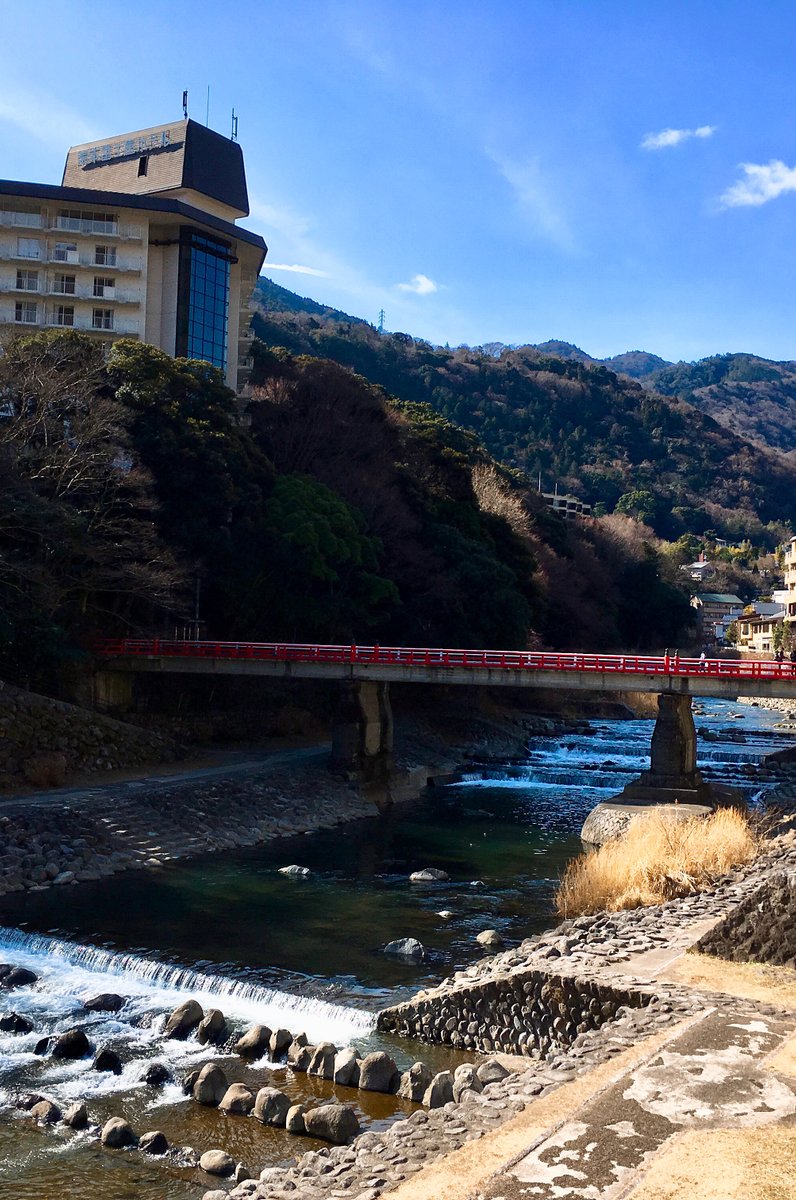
{"points": [[79, 970]]}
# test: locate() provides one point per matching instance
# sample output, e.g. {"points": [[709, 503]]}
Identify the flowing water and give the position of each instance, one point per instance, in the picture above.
{"points": [[306, 954]]}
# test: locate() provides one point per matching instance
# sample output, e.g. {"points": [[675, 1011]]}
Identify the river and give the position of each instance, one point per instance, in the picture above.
{"points": [[306, 954]]}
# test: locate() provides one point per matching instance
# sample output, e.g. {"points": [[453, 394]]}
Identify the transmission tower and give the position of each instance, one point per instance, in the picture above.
{"points": [[380, 326]]}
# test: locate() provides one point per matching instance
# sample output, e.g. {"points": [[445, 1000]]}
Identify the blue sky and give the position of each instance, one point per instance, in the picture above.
{"points": [[616, 173]]}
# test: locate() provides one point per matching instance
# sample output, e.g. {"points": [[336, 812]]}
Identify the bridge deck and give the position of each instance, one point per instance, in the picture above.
{"points": [[718, 677]]}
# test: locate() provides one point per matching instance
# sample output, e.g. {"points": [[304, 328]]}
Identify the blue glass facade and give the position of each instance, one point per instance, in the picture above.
{"points": [[203, 298]]}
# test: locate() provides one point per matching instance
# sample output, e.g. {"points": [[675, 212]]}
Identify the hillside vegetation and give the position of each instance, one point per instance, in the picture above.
{"points": [[594, 433], [334, 513]]}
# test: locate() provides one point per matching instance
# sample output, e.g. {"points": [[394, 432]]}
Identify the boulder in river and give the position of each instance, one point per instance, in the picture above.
{"points": [[294, 871], [116, 1134], [299, 1055], [279, 1042], [254, 1043], [439, 1091], [271, 1107], [237, 1100], [156, 1075], [346, 1067], [153, 1142], [445, 913], [46, 1111], [409, 948], [489, 937], [107, 1060], [294, 1121], [336, 1123], [72, 1044], [414, 1082], [14, 977], [211, 1085], [217, 1162], [212, 1028], [322, 1061], [104, 1002], [183, 1020], [189, 1080], [42, 1046], [76, 1116], [378, 1073], [12, 1022], [429, 875]]}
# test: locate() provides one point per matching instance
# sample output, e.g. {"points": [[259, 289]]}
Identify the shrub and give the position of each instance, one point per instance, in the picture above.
{"points": [[661, 856]]}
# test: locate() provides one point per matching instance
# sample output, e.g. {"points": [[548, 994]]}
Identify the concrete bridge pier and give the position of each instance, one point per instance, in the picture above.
{"points": [[673, 780], [362, 738]]}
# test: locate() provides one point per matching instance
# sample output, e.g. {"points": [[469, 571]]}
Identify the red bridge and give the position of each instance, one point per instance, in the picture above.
{"points": [[721, 677], [362, 738]]}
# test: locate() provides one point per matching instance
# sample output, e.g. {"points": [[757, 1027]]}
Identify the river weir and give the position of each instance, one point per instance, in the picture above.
{"points": [[306, 955]]}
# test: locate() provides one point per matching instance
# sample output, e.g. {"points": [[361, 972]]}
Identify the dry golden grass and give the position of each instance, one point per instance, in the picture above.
{"points": [[659, 857]]}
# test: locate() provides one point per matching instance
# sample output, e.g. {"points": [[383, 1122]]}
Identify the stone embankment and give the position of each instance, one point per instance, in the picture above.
{"points": [[42, 741], [103, 830], [611, 957]]}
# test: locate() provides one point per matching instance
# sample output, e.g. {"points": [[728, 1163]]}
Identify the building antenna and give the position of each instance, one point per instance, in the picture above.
{"points": [[207, 110], [381, 321], [185, 104], [234, 134]]}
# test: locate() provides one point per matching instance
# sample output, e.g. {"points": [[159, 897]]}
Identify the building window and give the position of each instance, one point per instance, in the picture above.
{"points": [[104, 285], [63, 314], [143, 165], [28, 247], [203, 297], [65, 252], [80, 221], [105, 256], [25, 312], [64, 285], [28, 281], [102, 318]]}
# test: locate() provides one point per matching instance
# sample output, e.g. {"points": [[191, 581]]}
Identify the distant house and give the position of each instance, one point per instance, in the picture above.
{"points": [[566, 506], [758, 624], [790, 579], [699, 570], [715, 611]]}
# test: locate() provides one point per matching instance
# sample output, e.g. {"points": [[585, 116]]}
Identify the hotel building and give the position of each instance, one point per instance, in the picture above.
{"points": [[140, 240]]}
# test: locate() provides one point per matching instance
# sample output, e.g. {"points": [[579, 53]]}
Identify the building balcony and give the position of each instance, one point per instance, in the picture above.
{"points": [[21, 220], [103, 229], [83, 323]]}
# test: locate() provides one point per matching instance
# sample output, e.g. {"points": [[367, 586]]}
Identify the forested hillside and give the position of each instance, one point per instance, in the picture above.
{"points": [[332, 513], [577, 424]]}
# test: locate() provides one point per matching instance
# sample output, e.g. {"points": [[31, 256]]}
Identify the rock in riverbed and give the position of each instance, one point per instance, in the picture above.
{"points": [[14, 977], [72, 1044], [154, 1142], [116, 1134], [336, 1123], [12, 1022], [489, 937], [185, 1018], [378, 1073], [217, 1162], [295, 872], [210, 1086], [406, 948], [429, 875], [254, 1043], [104, 1002]]}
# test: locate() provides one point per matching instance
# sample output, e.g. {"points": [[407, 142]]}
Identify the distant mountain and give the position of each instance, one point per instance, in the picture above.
{"points": [[754, 397], [271, 297], [599, 435]]}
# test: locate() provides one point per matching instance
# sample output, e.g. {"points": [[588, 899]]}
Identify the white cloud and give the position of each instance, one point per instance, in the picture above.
{"points": [[421, 285], [534, 196], [673, 137], [45, 118], [296, 269], [762, 182]]}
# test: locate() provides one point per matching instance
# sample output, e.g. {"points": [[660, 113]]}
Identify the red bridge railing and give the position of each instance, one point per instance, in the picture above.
{"points": [[409, 656]]}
